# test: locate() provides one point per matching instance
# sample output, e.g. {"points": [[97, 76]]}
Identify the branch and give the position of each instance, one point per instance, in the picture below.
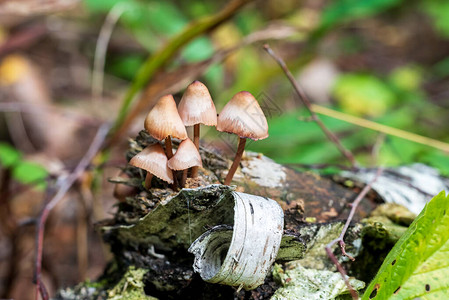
{"points": [[302, 95], [64, 187], [340, 241]]}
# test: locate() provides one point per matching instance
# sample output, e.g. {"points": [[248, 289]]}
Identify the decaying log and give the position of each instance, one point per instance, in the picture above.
{"points": [[153, 229]]}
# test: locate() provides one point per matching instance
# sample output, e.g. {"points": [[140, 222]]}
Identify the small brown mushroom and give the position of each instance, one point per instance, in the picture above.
{"points": [[196, 107], [154, 161], [242, 116], [163, 121], [186, 156]]}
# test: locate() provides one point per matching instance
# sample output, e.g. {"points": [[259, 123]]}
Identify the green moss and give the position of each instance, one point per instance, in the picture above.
{"points": [[101, 284], [130, 287]]}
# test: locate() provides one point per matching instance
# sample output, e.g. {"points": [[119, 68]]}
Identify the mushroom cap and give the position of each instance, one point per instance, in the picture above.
{"points": [[153, 160], [163, 120], [196, 106], [243, 116], [186, 156]]}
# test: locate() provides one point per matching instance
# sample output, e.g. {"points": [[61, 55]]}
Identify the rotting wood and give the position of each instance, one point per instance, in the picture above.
{"points": [[154, 229]]}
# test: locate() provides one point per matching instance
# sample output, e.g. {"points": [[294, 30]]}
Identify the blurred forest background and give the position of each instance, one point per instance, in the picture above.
{"points": [[381, 60]]}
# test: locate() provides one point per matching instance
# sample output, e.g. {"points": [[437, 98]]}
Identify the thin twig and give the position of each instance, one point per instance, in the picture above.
{"points": [[101, 47], [64, 187], [302, 95], [340, 240], [423, 140]]}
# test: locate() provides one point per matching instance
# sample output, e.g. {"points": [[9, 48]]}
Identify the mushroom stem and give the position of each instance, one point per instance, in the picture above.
{"points": [[148, 180], [196, 135], [196, 141], [237, 158], [169, 153], [168, 147], [184, 178]]}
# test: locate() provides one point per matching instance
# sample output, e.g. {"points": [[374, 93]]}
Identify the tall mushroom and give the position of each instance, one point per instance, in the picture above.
{"points": [[196, 107], [153, 160], [163, 121], [242, 116], [186, 156]]}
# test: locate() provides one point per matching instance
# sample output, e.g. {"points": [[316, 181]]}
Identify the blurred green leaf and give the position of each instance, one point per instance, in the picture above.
{"points": [[248, 21], [396, 151], [401, 117], [407, 78], [199, 49], [30, 173], [303, 141], [215, 78], [125, 67], [288, 126], [438, 160], [407, 150], [417, 266], [441, 68], [165, 18], [363, 94], [198, 9], [100, 6], [388, 156], [9, 155], [439, 12], [346, 10], [149, 21]]}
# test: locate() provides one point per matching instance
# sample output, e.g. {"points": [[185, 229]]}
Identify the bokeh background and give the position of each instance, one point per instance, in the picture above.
{"points": [[66, 66]]}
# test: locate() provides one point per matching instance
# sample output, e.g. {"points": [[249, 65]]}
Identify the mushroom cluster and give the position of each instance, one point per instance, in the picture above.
{"points": [[242, 116]]}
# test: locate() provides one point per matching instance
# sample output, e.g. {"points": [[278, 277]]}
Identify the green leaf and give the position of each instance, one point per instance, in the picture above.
{"points": [[406, 151], [346, 10], [406, 78], [165, 18], [302, 141], [439, 11], [441, 68], [417, 266], [9, 156], [30, 173], [199, 49], [363, 94], [125, 67], [437, 159], [149, 21], [97, 6]]}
